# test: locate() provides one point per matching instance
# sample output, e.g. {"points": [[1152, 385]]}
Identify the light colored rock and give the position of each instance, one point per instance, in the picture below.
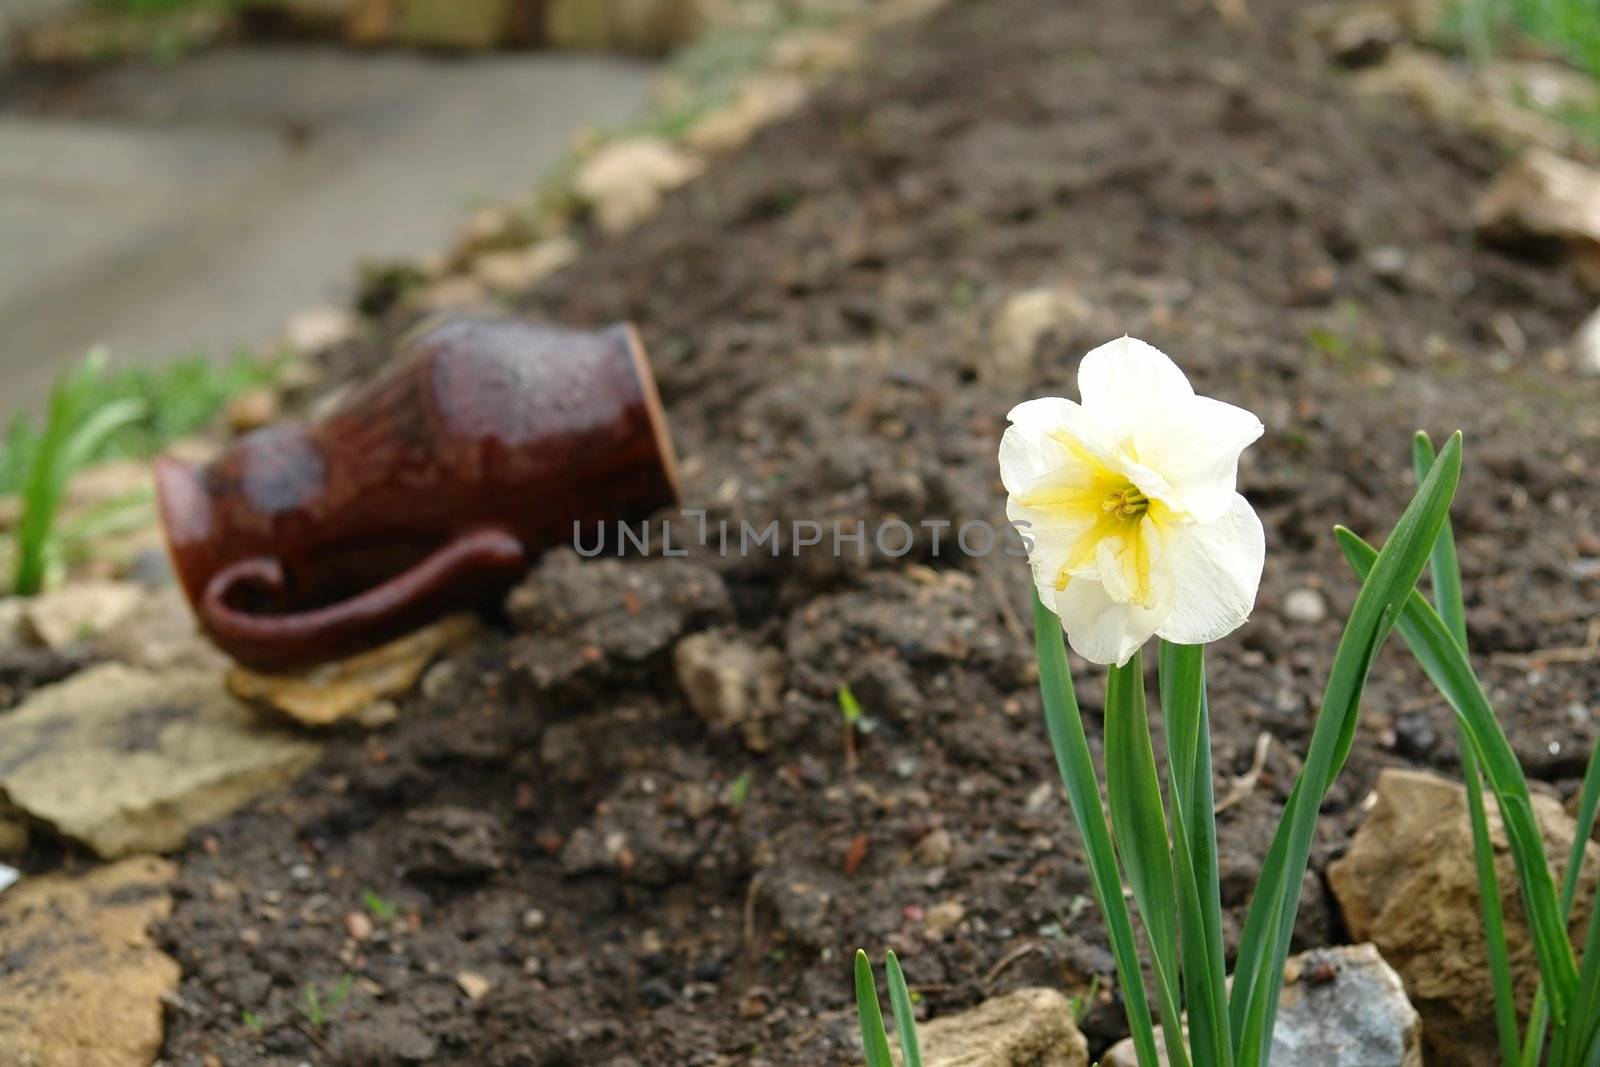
{"points": [[1586, 346], [1409, 885], [160, 633], [1340, 1007], [80, 611], [468, 25], [332, 692], [458, 293], [1027, 1028], [518, 270], [9, 876], [1452, 94], [623, 182], [86, 989], [815, 53], [250, 410], [1544, 199], [128, 760], [1305, 606], [474, 985], [652, 27], [1021, 325], [315, 330], [13, 621], [730, 683], [760, 102]]}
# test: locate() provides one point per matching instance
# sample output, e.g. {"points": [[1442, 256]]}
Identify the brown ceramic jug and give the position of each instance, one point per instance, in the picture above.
{"points": [[429, 490]]}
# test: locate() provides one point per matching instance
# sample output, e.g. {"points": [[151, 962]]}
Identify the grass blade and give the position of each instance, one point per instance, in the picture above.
{"points": [[905, 1017], [1447, 667], [1140, 825], [1064, 722], [1445, 571], [1270, 920], [874, 1038], [1194, 856]]}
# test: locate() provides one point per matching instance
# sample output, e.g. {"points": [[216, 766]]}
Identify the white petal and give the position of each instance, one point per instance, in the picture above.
{"points": [[1216, 570], [1098, 628], [1122, 381], [1052, 537], [1194, 447]]}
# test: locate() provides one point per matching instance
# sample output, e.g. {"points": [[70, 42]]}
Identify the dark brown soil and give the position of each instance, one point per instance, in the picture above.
{"points": [[549, 815]]}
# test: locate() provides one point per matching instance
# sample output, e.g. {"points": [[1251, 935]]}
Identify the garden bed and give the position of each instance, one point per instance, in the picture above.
{"points": [[552, 858]]}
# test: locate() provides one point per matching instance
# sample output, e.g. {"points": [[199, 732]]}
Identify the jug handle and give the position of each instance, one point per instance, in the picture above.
{"points": [[477, 560]]}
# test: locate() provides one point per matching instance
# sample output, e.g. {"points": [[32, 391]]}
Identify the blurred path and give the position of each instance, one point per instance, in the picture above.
{"points": [[162, 210]]}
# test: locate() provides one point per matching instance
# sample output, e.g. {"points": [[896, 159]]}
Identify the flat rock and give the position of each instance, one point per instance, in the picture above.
{"points": [[332, 692], [1026, 1028], [1340, 1007], [79, 611], [160, 633], [652, 27], [128, 760], [83, 981], [1544, 201], [1586, 346], [1409, 885]]}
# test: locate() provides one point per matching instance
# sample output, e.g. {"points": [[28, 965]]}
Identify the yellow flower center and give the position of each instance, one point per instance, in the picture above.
{"points": [[1111, 510]]}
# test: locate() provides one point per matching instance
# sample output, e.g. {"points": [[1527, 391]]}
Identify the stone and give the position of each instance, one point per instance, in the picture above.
{"points": [[316, 330], [474, 985], [1586, 346], [1340, 1007], [518, 270], [250, 410], [1021, 325], [464, 25], [79, 611], [1449, 93], [1305, 606], [332, 692], [84, 982], [127, 760], [1357, 35], [160, 633], [730, 683], [9, 876], [651, 27], [623, 182], [1026, 1028], [759, 103], [1545, 202], [1409, 885]]}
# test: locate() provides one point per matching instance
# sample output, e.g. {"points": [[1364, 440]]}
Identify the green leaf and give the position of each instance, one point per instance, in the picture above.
{"points": [[1194, 852], [1258, 973], [1071, 746], [1445, 570], [905, 1017], [874, 1038], [1446, 666], [1140, 832]]}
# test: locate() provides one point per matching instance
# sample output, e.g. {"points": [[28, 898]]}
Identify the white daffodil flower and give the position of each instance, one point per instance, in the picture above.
{"points": [[1130, 505]]}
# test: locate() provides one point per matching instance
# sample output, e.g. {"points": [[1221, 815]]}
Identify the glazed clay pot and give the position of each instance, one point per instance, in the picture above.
{"points": [[429, 490]]}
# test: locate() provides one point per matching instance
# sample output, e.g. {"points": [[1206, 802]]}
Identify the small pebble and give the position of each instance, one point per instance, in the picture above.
{"points": [[357, 925], [1305, 606], [474, 985], [533, 919]]}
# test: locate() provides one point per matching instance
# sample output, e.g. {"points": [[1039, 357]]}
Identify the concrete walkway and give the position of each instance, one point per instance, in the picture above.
{"points": [[168, 210]]}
